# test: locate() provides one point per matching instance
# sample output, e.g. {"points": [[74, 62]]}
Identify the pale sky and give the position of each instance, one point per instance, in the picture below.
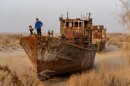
{"points": [[17, 15]]}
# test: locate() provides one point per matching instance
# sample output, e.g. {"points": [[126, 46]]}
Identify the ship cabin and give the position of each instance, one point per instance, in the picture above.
{"points": [[99, 32], [77, 31]]}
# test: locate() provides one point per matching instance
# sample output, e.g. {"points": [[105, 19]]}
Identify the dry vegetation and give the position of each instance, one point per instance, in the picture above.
{"points": [[11, 78], [118, 39], [111, 66], [15, 67], [10, 41], [103, 75]]}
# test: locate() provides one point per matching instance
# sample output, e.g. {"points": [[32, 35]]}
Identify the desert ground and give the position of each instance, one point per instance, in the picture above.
{"points": [[111, 66]]}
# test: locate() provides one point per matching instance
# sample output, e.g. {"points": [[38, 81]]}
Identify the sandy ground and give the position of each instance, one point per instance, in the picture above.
{"points": [[17, 60]]}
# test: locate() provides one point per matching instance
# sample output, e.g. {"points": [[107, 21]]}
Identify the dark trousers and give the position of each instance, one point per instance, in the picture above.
{"points": [[38, 31]]}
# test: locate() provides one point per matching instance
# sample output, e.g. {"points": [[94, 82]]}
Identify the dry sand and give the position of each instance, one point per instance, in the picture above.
{"points": [[12, 55]]}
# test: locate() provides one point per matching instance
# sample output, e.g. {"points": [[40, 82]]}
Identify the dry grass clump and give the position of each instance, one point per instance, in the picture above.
{"points": [[118, 39], [11, 78], [102, 75], [30, 78], [10, 41], [8, 78]]}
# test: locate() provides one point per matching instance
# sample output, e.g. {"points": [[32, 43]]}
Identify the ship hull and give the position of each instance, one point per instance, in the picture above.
{"points": [[54, 57]]}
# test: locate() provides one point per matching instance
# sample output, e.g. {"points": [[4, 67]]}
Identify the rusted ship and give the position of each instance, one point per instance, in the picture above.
{"points": [[52, 56], [72, 52], [99, 37], [76, 31]]}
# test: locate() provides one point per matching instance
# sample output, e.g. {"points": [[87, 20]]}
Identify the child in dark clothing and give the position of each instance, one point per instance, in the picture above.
{"points": [[31, 30]]}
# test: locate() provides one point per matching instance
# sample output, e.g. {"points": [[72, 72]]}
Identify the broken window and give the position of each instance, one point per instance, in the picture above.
{"points": [[80, 24], [67, 24], [76, 24], [85, 23]]}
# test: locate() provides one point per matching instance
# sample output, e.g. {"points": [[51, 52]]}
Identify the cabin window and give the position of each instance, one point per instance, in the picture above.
{"points": [[70, 24], [85, 23], [76, 24], [67, 24], [80, 24]]}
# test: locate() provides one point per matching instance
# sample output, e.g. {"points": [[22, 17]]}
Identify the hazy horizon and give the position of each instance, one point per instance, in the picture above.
{"points": [[17, 15]]}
